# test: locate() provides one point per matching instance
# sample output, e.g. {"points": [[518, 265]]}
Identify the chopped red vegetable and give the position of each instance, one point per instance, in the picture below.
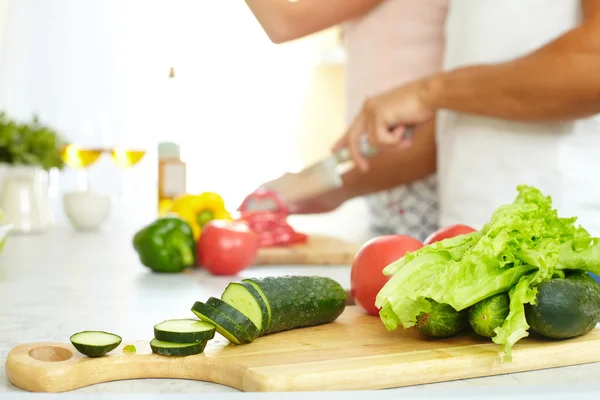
{"points": [[272, 228], [266, 215]]}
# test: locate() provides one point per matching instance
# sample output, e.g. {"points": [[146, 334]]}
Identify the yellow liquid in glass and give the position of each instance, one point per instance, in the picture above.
{"points": [[127, 158], [77, 157]]}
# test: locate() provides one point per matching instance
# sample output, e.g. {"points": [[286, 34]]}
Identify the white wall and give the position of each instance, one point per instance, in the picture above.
{"points": [[97, 71]]}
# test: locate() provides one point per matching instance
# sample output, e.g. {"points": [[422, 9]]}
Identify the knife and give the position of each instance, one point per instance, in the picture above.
{"points": [[316, 179]]}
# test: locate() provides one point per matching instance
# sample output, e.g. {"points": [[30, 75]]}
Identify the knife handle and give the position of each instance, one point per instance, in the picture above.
{"points": [[366, 149]]}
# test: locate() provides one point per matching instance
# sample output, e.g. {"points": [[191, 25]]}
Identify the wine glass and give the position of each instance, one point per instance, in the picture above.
{"points": [[126, 154], [82, 151], [127, 157]]}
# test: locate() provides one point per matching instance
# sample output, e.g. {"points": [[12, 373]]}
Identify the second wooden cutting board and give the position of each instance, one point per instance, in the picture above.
{"points": [[319, 250]]}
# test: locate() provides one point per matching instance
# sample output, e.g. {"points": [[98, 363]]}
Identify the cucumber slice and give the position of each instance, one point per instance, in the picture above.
{"points": [[184, 331], [95, 343], [176, 349], [235, 315], [263, 296], [301, 301], [246, 299], [233, 326]]}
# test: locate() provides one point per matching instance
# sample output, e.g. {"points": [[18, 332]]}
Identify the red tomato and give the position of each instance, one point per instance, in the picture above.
{"points": [[366, 278], [448, 232], [226, 247]]}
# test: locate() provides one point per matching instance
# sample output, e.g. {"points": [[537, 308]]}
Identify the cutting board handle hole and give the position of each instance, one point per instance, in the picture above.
{"points": [[50, 353]]}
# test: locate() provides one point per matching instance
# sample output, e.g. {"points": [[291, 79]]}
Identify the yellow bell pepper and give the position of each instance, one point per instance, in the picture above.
{"points": [[198, 210]]}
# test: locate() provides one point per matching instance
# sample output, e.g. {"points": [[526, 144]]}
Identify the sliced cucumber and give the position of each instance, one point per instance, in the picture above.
{"points": [[95, 343], [184, 331], [301, 301], [230, 325], [263, 296], [245, 298], [176, 349], [234, 315]]}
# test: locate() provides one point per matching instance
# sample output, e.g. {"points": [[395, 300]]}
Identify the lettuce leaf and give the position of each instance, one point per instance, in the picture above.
{"points": [[516, 327], [523, 244]]}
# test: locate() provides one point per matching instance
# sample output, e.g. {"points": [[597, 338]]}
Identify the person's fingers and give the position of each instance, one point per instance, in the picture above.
{"points": [[378, 128], [353, 136], [404, 138], [386, 136]]}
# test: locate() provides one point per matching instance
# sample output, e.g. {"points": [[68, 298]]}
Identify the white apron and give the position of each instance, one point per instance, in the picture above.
{"points": [[482, 160]]}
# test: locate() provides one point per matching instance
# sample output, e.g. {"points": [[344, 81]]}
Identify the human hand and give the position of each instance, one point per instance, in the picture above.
{"points": [[385, 120]]}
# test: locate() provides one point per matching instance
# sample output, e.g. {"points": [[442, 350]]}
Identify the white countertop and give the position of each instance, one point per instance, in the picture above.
{"points": [[61, 282]]}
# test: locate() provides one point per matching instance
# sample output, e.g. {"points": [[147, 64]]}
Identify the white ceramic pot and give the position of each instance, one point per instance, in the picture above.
{"points": [[87, 210], [24, 198]]}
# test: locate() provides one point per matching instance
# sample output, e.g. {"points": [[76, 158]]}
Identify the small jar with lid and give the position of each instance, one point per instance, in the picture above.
{"points": [[171, 175]]}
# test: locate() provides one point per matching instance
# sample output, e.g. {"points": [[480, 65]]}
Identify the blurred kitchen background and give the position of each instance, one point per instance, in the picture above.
{"points": [[242, 109]]}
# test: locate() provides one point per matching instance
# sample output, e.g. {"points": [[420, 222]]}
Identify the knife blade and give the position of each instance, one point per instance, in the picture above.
{"points": [[316, 179]]}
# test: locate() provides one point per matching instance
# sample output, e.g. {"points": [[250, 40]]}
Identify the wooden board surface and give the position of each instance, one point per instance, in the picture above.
{"points": [[319, 250], [355, 352]]}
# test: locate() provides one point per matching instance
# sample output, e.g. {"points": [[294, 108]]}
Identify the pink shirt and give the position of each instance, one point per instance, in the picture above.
{"points": [[397, 42]]}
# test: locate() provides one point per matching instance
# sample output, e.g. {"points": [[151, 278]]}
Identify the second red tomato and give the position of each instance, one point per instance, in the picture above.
{"points": [[448, 232], [367, 278], [226, 247]]}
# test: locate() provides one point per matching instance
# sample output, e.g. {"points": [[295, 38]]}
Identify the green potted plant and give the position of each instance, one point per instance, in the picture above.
{"points": [[28, 151]]}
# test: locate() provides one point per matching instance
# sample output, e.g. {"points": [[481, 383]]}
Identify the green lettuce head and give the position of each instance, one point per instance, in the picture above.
{"points": [[523, 244]]}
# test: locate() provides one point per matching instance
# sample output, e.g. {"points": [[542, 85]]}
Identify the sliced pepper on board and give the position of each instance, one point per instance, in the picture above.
{"points": [[198, 210], [272, 228], [166, 245], [266, 214]]}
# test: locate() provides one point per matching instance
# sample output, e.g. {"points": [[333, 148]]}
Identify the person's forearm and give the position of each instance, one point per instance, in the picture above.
{"points": [[395, 167], [561, 81], [285, 20]]}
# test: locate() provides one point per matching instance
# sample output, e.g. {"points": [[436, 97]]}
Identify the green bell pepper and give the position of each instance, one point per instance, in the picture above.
{"points": [[166, 245]]}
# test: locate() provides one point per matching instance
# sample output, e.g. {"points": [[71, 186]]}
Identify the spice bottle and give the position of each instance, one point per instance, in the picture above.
{"points": [[171, 175]]}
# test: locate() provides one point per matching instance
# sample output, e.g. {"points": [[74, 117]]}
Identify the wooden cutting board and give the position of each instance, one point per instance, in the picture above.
{"points": [[354, 352], [319, 250]]}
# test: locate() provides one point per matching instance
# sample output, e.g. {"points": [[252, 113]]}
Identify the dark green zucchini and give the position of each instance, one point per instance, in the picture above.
{"points": [[176, 349], [246, 299], [441, 321], [229, 322], [301, 301], [95, 343], [488, 314], [565, 308], [184, 331]]}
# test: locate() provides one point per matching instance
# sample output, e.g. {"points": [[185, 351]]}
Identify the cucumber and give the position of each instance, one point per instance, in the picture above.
{"points": [[184, 331], [245, 298], [231, 323], [441, 321], [583, 277], [95, 343], [176, 349], [262, 295], [301, 301], [488, 314], [565, 308]]}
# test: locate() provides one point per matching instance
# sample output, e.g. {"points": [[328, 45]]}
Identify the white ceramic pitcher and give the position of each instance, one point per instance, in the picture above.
{"points": [[24, 198]]}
